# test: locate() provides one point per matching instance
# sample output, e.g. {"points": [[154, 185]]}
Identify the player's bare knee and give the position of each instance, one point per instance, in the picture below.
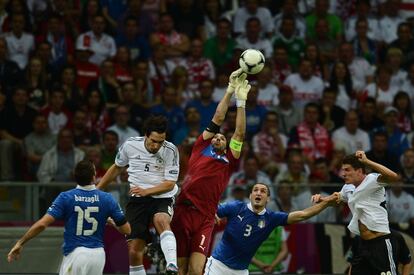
{"points": [[162, 222], [195, 269]]}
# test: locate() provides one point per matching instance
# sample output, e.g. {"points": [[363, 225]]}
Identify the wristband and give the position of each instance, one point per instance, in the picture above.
{"points": [[236, 145], [241, 103]]}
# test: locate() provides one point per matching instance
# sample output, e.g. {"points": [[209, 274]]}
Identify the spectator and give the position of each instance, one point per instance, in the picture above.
{"points": [[400, 205], [145, 21], [271, 253], [205, 104], [364, 46], [170, 109], [212, 14], [322, 174], [58, 117], [138, 112], [327, 45], [388, 24], [237, 193], [368, 115], [397, 140], [289, 11], [221, 86], [408, 85], [321, 11], [280, 65], [97, 114], [136, 42], [294, 173], [192, 124], [59, 40], [123, 65], [37, 143], [89, 11], [101, 44], [393, 60], [313, 54], [219, 48], [381, 154], [121, 125], [405, 43], [83, 138], [268, 92], [10, 73], [269, 145], [306, 87], [250, 174], [289, 38], [351, 135], [402, 103], [86, 72], [382, 90], [176, 45], [361, 71], [198, 67], [148, 89], [252, 40], [160, 70], [341, 81], [67, 83], [37, 84], [363, 14], [283, 202], [109, 148], [4, 17], [289, 114], [255, 113], [331, 116], [310, 136], [179, 80], [112, 10], [188, 18], [407, 168], [94, 155], [252, 10], [16, 121], [108, 85], [58, 162], [19, 43]]}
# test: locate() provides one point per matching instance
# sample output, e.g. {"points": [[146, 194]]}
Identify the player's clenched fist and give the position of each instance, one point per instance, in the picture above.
{"points": [[361, 156]]}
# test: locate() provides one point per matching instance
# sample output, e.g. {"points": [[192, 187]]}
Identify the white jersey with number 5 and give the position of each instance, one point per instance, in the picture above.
{"points": [[367, 204], [147, 170]]}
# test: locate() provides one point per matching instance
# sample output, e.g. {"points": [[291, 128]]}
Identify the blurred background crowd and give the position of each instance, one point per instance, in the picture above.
{"points": [[79, 77]]}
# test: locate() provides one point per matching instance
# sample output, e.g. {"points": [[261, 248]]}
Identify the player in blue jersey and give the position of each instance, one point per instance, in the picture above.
{"points": [[85, 211], [248, 226]]}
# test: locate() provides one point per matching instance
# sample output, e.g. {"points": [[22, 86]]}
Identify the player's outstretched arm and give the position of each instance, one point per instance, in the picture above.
{"points": [[33, 231], [235, 79], [298, 216], [110, 176], [165, 186], [237, 139], [386, 174], [123, 228]]}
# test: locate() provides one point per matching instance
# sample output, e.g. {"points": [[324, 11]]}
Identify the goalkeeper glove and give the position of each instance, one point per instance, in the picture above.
{"points": [[241, 93]]}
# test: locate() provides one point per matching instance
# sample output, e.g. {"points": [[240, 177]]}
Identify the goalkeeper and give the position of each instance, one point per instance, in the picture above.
{"points": [[210, 167]]}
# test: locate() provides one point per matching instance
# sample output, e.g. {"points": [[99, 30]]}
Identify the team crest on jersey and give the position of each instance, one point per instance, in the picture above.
{"points": [[159, 161], [261, 224]]}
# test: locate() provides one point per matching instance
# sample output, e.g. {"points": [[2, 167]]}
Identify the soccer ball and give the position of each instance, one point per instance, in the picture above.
{"points": [[251, 61]]}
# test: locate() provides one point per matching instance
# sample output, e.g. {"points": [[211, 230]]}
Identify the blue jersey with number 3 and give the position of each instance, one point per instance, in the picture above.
{"points": [[85, 212], [245, 231]]}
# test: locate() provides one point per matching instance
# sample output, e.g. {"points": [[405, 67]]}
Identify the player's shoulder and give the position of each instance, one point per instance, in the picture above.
{"points": [[133, 140], [169, 145]]}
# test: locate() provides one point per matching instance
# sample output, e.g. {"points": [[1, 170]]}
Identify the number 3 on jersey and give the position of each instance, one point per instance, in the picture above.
{"points": [[248, 230], [86, 216]]}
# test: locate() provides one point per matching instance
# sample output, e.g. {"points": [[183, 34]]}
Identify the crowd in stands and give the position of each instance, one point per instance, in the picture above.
{"points": [[79, 77]]}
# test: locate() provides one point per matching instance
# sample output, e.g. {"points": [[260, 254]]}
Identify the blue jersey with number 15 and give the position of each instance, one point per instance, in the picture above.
{"points": [[85, 211], [245, 232]]}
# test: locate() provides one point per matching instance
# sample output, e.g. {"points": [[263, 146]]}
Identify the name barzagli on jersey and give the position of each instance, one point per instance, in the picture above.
{"points": [[91, 199]]}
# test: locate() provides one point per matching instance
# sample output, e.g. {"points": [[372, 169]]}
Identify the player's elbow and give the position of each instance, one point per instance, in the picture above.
{"points": [[170, 185]]}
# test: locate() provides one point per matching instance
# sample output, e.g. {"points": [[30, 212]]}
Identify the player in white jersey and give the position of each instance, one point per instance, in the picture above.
{"points": [[153, 166], [85, 211], [365, 195]]}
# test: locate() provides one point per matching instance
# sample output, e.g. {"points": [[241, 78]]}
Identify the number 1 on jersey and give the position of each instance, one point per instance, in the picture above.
{"points": [[86, 215]]}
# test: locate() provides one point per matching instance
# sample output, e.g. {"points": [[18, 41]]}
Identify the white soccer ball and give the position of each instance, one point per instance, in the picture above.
{"points": [[251, 61]]}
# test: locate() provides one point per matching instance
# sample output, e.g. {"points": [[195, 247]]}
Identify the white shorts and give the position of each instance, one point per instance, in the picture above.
{"points": [[215, 267], [83, 261]]}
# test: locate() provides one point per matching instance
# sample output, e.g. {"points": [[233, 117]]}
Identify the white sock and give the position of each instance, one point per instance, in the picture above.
{"points": [[137, 270], [169, 247]]}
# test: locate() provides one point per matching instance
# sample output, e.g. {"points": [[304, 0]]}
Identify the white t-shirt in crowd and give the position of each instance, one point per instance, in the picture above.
{"points": [[147, 170], [360, 69], [365, 202], [19, 48], [103, 48], [353, 142], [123, 133], [263, 45], [398, 79], [268, 96], [242, 15], [373, 28], [305, 91], [400, 209], [385, 97], [388, 28]]}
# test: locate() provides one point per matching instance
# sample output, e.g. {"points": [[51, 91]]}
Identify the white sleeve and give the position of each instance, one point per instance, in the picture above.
{"points": [[113, 47], [121, 158], [366, 143], [346, 192], [172, 163]]}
